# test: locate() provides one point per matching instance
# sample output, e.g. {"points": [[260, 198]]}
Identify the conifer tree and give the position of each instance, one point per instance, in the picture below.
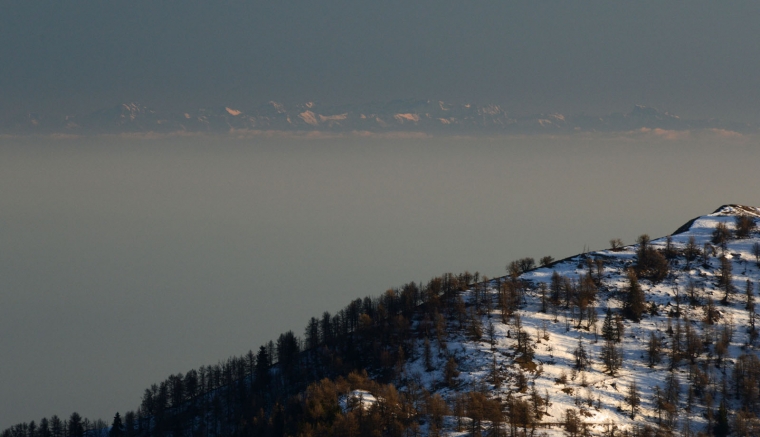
{"points": [[262, 369], [581, 356], [611, 357], [635, 304], [721, 428], [608, 327], [117, 427], [76, 427], [44, 428]]}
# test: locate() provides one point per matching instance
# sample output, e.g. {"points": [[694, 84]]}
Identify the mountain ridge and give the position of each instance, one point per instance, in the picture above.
{"points": [[393, 116]]}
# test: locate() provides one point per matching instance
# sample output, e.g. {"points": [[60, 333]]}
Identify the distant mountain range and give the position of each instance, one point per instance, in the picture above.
{"points": [[398, 115]]}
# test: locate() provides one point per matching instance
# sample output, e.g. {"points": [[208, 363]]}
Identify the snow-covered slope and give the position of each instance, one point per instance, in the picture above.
{"points": [[598, 397]]}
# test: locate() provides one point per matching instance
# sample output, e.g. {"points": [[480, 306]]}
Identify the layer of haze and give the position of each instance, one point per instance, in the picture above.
{"points": [[124, 261], [696, 59]]}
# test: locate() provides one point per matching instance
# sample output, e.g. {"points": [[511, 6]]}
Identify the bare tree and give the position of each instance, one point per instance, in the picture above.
{"points": [[654, 346], [721, 235], [744, 225], [725, 280], [546, 260], [691, 251], [633, 398]]}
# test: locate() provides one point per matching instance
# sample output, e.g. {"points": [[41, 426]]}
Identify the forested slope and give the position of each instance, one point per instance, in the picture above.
{"points": [[656, 338]]}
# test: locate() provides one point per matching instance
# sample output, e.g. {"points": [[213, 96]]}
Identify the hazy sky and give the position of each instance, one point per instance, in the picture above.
{"points": [[696, 58]]}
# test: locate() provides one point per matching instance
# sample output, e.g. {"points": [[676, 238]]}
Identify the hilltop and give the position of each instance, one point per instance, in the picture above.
{"points": [[685, 309]]}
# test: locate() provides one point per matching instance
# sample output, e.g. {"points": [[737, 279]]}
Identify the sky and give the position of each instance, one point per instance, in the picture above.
{"points": [[695, 59]]}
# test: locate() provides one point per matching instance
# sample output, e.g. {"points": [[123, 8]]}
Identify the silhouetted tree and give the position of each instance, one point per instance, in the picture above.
{"points": [[117, 427], [56, 426], [76, 427], [44, 428], [262, 378]]}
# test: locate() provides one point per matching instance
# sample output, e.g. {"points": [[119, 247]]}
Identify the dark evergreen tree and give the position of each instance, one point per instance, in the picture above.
{"points": [[117, 427], [44, 429], [582, 360], [635, 303], [262, 377], [721, 428], [611, 357], [609, 330], [76, 427], [130, 424], [56, 426]]}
